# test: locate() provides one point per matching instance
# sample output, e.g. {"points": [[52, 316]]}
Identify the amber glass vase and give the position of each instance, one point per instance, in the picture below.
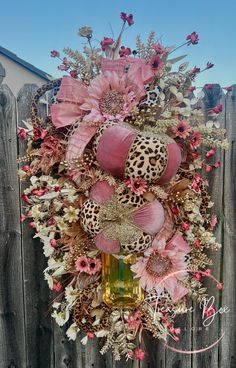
{"points": [[120, 289]]}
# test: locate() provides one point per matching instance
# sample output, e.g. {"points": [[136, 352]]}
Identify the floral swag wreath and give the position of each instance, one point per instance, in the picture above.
{"points": [[115, 192]]}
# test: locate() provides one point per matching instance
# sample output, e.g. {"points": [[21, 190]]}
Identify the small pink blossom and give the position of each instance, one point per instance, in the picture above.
{"points": [[39, 133], [106, 42], [160, 50], [207, 272], [208, 86], [134, 321], [195, 140], [210, 153], [63, 67], [156, 64], [39, 192], [32, 225], [55, 53], [191, 89], [57, 188], [197, 180], [137, 185], [197, 276], [25, 168], [57, 287], [26, 198], [94, 266], [50, 145], [197, 243], [182, 129], [22, 133], [208, 168], [139, 353], [219, 286], [209, 65], [23, 218], [217, 109], [213, 222], [131, 355], [74, 74], [185, 226], [53, 243], [217, 164], [228, 89], [90, 335], [127, 18], [193, 38], [124, 51], [208, 312], [82, 264], [195, 71]]}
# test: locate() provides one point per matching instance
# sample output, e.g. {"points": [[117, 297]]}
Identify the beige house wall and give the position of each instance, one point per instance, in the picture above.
{"points": [[17, 75]]}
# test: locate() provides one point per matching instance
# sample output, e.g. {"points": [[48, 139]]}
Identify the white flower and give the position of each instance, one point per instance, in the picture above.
{"points": [[61, 317], [61, 223], [49, 280], [70, 295], [101, 333], [84, 340], [72, 332], [71, 214], [47, 248]]}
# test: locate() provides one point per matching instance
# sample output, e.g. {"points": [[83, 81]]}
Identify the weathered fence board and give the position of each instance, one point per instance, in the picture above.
{"points": [[28, 336]]}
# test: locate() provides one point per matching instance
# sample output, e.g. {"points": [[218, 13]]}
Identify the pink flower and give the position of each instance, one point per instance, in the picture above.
{"points": [[156, 64], [217, 164], [195, 140], [209, 311], [22, 133], [191, 89], [185, 226], [182, 129], [57, 287], [74, 74], [209, 65], [63, 67], [82, 264], [192, 38], [39, 133], [157, 268], [90, 335], [50, 145], [139, 353], [213, 222], [55, 53], [110, 96], [53, 243], [210, 153], [137, 185], [208, 168], [134, 321], [197, 276], [131, 355], [32, 225], [39, 192], [197, 181], [94, 266], [228, 89], [195, 71], [219, 286], [23, 218], [217, 109], [197, 243], [208, 86], [25, 199], [160, 50], [106, 42], [127, 18], [25, 168], [124, 51]]}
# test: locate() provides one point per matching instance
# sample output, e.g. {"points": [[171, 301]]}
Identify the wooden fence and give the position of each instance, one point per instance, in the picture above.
{"points": [[28, 336]]}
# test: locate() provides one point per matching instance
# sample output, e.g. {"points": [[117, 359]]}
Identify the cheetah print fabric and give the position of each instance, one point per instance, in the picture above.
{"points": [[89, 220], [147, 158]]}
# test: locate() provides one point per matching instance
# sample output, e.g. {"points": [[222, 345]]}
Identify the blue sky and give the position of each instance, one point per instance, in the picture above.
{"points": [[32, 28]]}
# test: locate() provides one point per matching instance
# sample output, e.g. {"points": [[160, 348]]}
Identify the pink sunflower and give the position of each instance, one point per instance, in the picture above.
{"points": [[111, 97], [182, 129], [82, 264], [94, 266], [137, 185], [157, 269], [195, 140]]}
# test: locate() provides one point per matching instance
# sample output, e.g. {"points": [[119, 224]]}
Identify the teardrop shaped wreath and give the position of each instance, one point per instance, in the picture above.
{"points": [[115, 168]]}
